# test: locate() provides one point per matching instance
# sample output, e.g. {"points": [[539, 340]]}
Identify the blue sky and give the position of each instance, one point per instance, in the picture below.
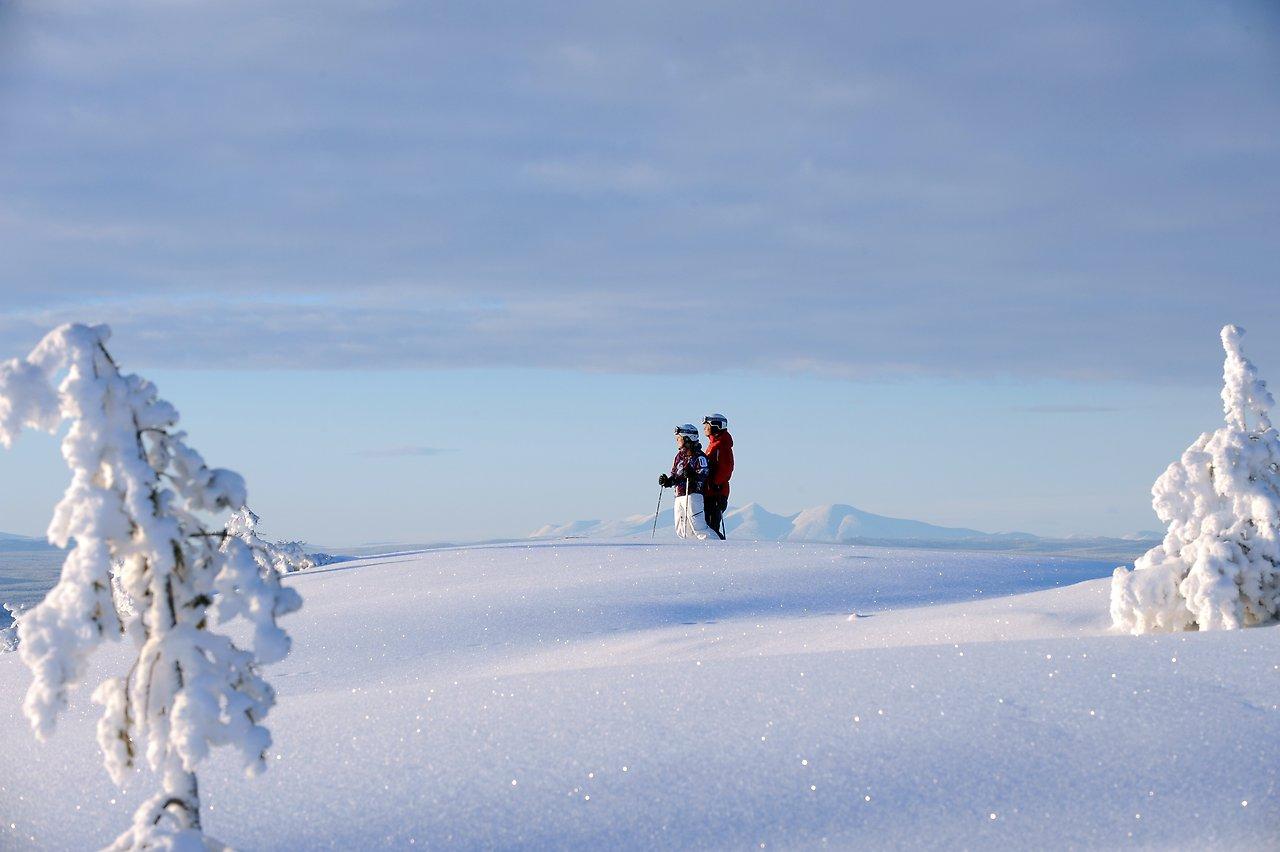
{"points": [[961, 262]]}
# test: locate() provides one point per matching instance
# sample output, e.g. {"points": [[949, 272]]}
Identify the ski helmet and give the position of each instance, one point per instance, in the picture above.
{"points": [[717, 421], [689, 431]]}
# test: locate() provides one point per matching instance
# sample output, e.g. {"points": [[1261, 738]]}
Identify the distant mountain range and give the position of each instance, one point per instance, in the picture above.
{"points": [[11, 542], [831, 523], [842, 524]]}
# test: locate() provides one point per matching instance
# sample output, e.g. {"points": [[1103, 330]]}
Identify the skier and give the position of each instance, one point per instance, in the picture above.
{"points": [[720, 457], [688, 477]]}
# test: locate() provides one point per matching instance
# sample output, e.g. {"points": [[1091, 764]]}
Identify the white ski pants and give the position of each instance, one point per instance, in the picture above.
{"points": [[691, 518]]}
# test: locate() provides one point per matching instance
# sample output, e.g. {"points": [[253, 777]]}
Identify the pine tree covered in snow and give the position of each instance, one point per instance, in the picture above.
{"points": [[1218, 565], [134, 500], [284, 557]]}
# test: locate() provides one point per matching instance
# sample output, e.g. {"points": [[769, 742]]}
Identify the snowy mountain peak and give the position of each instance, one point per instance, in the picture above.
{"points": [[754, 521], [839, 522], [628, 527]]}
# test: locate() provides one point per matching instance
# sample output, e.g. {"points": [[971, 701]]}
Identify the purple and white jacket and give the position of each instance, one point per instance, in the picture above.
{"points": [[691, 466]]}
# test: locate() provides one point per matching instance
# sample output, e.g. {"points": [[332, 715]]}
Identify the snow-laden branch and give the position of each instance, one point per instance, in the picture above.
{"points": [[9, 632], [1218, 565], [284, 557], [135, 498]]}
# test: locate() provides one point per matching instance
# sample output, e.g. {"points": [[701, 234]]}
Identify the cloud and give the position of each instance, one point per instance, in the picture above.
{"points": [[388, 185], [628, 330], [596, 176], [401, 452], [1066, 409]]}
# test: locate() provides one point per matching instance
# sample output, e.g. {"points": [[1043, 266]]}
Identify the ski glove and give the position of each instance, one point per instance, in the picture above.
{"points": [[664, 480]]}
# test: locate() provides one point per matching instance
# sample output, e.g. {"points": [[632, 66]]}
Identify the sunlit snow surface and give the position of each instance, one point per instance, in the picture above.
{"points": [[625, 695]]}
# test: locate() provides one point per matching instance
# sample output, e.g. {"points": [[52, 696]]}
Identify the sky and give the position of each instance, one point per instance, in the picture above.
{"points": [[445, 271]]}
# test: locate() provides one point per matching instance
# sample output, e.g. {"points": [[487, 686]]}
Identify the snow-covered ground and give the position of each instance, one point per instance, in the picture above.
{"points": [[25, 576], [596, 694]]}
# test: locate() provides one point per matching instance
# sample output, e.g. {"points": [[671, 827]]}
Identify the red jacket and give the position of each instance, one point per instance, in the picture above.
{"points": [[720, 454]]}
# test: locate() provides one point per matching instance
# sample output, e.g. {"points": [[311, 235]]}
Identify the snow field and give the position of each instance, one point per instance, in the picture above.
{"points": [[626, 695]]}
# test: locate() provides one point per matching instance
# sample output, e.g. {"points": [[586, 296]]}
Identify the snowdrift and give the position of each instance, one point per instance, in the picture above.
{"points": [[629, 695]]}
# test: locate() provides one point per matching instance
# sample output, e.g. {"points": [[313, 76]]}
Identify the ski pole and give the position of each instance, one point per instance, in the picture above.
{"points": [[656, 511]]}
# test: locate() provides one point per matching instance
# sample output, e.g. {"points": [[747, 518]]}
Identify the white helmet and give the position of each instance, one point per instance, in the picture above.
{"points": [[717, 421], [688, 430]]}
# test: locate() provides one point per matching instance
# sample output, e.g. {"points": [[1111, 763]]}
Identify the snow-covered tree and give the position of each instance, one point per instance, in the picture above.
{"points": [[1219, 564], [283, 557], [136, 500]]}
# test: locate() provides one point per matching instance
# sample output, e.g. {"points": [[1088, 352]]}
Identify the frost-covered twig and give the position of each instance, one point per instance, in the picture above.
{"points": [[134, 500], [1218, 565], [9, 628]]}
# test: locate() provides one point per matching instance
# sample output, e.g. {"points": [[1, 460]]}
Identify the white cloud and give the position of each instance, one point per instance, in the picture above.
{"points": [[597, 176], [386, 184], [404, 451]]}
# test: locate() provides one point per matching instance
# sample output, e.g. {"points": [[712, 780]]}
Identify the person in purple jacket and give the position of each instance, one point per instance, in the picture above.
{"points": [[688, 476]]}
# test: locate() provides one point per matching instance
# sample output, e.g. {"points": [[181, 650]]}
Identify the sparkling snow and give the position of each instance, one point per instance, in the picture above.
{"points": [[597, 694]]}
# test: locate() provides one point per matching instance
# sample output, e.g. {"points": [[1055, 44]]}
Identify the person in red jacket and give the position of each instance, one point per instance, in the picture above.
{"points": [[720, 457]]}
